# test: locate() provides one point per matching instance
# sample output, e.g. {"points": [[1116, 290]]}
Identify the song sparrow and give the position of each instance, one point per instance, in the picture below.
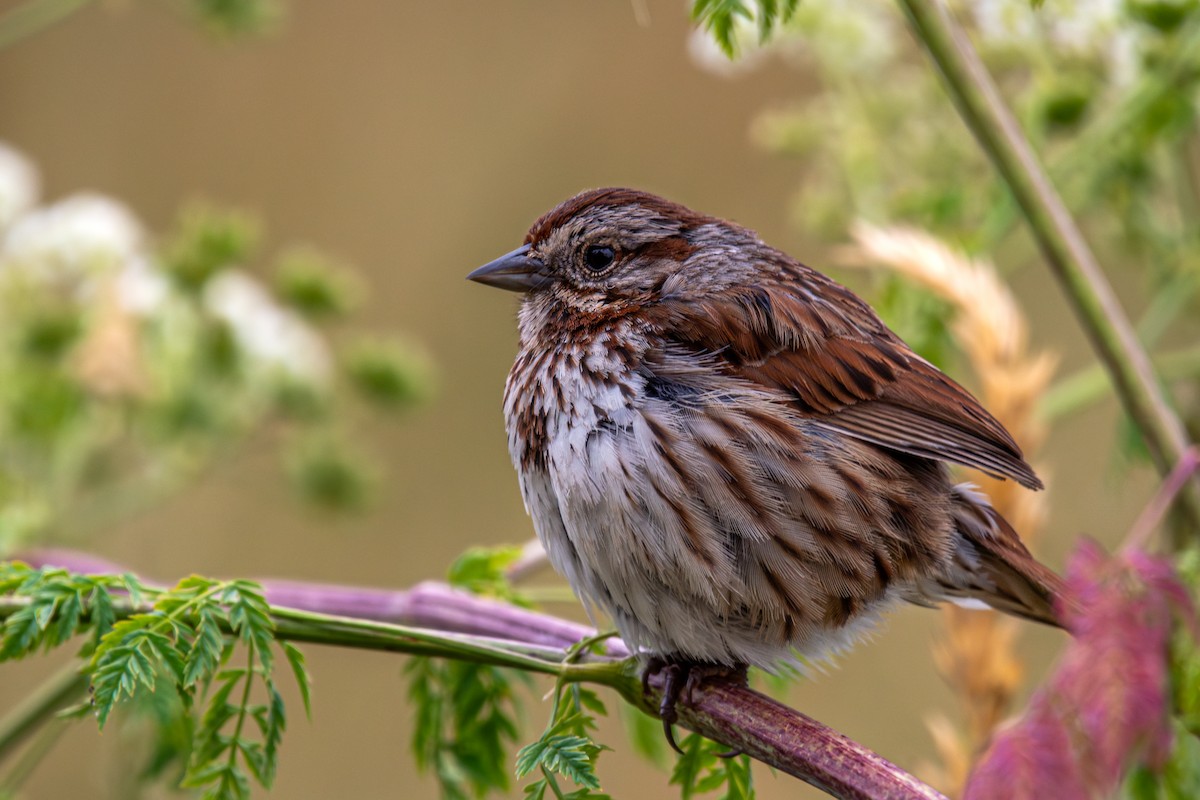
{"points": [[729, 453]]}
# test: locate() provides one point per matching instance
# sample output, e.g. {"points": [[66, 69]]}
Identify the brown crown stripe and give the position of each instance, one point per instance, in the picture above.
{"points": [[611, 196]]}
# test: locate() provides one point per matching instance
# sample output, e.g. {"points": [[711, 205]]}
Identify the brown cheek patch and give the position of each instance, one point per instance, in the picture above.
{"points": [[672, 248]]}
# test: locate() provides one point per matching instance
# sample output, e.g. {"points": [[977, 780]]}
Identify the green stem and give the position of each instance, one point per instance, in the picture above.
{"points": [[552, 782], [363, 634], [44, 702], [34, 16], [308, 626], [242, 707], [981, 107]]}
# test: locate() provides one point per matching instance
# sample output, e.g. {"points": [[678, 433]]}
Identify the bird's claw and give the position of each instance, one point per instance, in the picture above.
{"points": [[670, 697], [680, 679]]}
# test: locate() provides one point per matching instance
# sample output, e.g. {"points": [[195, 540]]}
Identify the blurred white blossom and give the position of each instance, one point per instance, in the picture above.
{"points": [[266, 332], [80, 243], [76, 239], [19, 185], [113, 343], [92, 250], [141, 288]]}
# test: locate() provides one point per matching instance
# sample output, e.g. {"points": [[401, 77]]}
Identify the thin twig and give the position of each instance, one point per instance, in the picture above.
{"points": [[1156, 510], [533, 559], [1103, 319]]}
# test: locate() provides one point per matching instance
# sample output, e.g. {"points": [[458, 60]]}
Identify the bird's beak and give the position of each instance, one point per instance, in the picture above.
{"points": [[516, 271]]}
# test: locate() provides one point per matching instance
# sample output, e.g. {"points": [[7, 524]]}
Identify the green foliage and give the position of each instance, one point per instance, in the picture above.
{"points": [[331, 475], [300, 401], [720, 18], [920, 317], [1165, 16], [389, 374], [700, 770], [311, 284], [466, 713], [566, 748], [48, 406], [295, 659], [59, 606], [209, 240], [237, 18], [465, 721], [49, 333], [163, 721], [1107, 95], [483, 570], [218, 354], [1063, 103], [645, 735], [184, 640]]}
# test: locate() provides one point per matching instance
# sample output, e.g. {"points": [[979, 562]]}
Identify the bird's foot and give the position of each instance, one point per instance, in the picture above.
{"points": [[680, 679]]}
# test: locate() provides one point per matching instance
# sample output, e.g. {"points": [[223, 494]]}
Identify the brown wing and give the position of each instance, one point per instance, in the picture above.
{"points": [[816, 341]]}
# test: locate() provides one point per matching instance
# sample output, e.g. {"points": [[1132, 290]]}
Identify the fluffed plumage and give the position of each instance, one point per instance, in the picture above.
{"points": [[729, 452]]}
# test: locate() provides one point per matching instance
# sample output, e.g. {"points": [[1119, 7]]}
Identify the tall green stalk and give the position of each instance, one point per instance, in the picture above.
{"points": [[1062, 243]]}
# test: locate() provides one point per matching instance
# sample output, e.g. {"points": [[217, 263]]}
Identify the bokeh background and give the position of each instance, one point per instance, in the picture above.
{"points": [[418, 141]]}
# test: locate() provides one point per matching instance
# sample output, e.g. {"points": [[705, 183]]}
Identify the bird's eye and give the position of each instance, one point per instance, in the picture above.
{"points": [[598, 257]]}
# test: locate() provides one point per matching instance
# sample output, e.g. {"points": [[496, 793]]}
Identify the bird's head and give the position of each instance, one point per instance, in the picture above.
{"points": [[612, 248]]}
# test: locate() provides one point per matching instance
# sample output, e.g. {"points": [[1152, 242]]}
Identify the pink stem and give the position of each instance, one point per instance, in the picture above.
{"points": [[1154, 512]]}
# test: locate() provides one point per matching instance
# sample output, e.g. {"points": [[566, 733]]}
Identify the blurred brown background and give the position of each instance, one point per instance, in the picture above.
{"points": [[418, 141]]}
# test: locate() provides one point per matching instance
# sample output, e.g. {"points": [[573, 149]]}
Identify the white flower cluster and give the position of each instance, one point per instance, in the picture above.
{"points": [[89, 242], [266, 332]]}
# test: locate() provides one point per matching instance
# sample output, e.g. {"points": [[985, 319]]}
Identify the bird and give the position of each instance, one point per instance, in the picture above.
{"points": [[731, 455]]}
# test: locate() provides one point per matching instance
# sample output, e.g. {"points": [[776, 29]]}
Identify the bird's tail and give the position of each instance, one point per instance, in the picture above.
{"points": [[992, 566]]}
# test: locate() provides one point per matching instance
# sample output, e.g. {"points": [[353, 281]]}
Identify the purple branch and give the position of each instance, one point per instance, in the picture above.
{"points": [[793, 743], [438, 607], [735, 716]]}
